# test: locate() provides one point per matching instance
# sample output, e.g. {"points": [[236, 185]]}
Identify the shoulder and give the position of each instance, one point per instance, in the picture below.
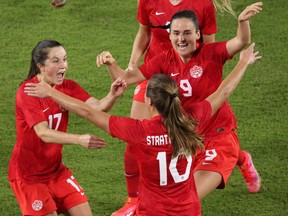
{"points": [[215, 47], [201, 5], [199, 111], [20, 90]]}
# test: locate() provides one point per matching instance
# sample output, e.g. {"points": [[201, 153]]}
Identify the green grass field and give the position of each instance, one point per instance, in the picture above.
{"points": [[88, 27]]}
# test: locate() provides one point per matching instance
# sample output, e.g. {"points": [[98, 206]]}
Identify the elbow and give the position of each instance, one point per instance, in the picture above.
{"points": [[247, 41], [44, 136]]}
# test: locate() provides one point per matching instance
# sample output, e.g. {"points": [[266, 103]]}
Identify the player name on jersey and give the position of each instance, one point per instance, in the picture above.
{"points": [[158, 140]]}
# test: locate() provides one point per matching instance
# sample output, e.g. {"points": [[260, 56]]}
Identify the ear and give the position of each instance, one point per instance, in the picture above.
{"points": [[40, 67], [149, 101], [198, 35]]}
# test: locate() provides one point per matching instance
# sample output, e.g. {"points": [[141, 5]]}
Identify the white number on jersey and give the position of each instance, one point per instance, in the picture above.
{"points": [[172, 168], [186, 87], [210, 154], [73, 184], [57, 116]]}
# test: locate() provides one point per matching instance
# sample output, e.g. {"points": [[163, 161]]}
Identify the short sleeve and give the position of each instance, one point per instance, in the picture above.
{"points": [[126, 129]]}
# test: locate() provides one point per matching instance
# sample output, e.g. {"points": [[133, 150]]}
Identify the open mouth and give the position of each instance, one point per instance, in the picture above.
{"points": [[182, 45], [60, 76]]}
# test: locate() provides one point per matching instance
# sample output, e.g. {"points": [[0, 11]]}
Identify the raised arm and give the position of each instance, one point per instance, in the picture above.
{"points": [[131, 76], [140, 45], [243, 36], [230, 83]]}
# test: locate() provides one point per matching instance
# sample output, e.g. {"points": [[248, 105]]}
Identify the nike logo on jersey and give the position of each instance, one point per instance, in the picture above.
{"points": [[159, 13], [45, 109], [174, 74]]}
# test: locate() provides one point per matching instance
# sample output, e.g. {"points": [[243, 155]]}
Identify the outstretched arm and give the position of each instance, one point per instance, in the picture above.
{"points": [[243, 36], [131, 76], [58, 137], [230, 83], [43, 90]]}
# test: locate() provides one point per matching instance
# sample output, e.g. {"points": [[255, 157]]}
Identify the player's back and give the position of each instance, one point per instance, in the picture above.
{"points": [[167, 185]]}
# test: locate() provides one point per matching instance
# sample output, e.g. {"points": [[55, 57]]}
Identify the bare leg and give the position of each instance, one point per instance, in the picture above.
{"points": [[82, 209], [52, 214]]}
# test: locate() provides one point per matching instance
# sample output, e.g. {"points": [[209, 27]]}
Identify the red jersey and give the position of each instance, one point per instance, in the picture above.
{"points": [[156, 13], [32, 159], [167, 185], [196, 80]]}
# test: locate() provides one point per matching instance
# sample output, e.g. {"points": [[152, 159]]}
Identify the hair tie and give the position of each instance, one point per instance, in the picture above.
{"points": [[172, 96]]}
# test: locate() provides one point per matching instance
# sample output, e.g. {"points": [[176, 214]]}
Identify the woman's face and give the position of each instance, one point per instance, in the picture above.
{"points": [[54, 69], [183, 36]]}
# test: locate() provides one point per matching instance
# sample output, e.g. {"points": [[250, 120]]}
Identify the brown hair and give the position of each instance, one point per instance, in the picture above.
{"points": [[163, 92], [39, 54]]}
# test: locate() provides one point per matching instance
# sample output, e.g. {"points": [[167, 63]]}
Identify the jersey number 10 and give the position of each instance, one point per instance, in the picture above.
{"points": [[172, 168]]}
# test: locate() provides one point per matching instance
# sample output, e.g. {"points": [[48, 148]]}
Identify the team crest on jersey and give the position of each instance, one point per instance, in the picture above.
{"points": [[196, 71], [37, 205], [137, 89]]}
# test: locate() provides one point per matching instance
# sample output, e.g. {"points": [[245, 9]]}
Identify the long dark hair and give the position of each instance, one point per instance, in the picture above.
{"points": [[39, 54], [163, 92]]}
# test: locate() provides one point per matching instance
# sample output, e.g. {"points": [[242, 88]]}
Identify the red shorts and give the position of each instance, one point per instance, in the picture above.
{"points": [[59, 194], [220, 155], [140, 91]]}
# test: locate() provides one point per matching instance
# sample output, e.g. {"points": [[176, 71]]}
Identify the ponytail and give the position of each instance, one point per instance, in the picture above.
{"points": [[163, 92]]}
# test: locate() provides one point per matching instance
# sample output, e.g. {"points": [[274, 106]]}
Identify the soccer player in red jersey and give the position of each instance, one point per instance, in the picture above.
{"points": [[152, 38], [165, 144], [197, 69], [42, 184]]}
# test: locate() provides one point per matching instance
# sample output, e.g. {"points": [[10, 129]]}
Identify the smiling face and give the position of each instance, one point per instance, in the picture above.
{"points": [[54, 69], [183, 36]]}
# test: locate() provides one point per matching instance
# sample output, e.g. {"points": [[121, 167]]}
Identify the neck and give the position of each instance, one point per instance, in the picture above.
{"points": [[153, 111], [175, 2], [40, 78]]}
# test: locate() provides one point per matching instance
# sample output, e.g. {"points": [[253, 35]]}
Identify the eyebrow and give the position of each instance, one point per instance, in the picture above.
{"points": [[183, 31], [55, 57]]}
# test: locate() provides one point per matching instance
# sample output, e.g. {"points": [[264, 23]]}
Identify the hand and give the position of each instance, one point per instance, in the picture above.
{"points": [[118, 87], [91, 141], [249, 56], [104, 58], [41, 90], [250, 11]]}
